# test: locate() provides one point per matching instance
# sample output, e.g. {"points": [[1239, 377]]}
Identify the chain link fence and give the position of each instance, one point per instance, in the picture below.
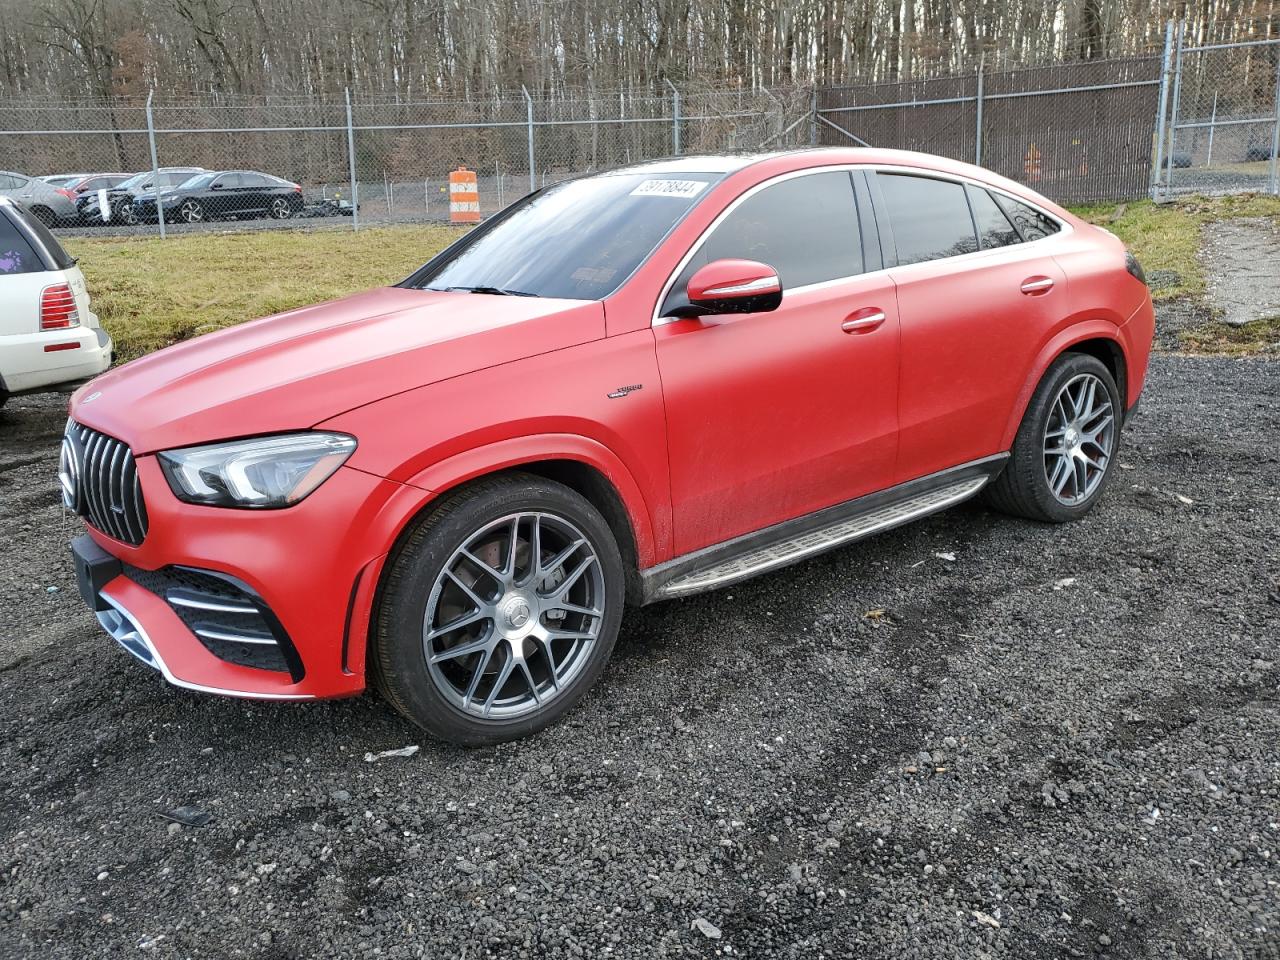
{"points": [[1221, 122], [289, 162], [1075, 132]]}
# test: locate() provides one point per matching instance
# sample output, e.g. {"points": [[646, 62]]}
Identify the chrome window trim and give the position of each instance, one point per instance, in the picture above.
{"points": [[1064, 228]]}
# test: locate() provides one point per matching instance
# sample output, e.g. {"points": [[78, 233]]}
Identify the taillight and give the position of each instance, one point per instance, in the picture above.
{"points": [[58, 308], [1132, 265], [297, 188], [69, 194]]}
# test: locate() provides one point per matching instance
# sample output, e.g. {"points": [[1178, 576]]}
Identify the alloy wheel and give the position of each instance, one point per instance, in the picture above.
{"points": [[191, 212], [280, 208], [513, 615], [1079, 439]]}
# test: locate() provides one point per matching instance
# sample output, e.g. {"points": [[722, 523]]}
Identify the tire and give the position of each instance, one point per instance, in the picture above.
{"points": [[191, 212], [430, 586], [45, 216], [1061, 462], [126, 214], [279, 209]]}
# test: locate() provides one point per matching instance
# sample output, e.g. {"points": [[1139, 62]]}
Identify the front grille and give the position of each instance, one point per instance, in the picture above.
{"points": [[105, 487], [228, 618]]}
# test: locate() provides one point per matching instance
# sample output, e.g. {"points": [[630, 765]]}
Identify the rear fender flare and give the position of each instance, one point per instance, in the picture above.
{"points": [[1055, 347]]}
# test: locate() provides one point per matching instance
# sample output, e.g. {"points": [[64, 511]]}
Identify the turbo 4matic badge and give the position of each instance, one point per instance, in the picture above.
{"points": [[669, 188]]}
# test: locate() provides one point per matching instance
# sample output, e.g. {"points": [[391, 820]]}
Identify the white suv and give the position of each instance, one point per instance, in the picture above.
{"points": [[49, 337]]}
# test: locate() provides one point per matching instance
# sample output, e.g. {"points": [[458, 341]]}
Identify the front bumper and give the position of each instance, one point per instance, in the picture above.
{"points": [[303, 579]]}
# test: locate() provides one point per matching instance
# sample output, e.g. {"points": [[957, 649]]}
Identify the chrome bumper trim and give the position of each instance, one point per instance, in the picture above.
{"points": [[121, 625]]}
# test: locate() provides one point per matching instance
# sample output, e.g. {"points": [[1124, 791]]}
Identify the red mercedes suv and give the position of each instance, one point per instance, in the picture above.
{"points": [[624, 388]]}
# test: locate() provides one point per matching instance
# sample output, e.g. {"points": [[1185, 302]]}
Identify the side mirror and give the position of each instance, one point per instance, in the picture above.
{"points": [[215, 186], [735, 286]]}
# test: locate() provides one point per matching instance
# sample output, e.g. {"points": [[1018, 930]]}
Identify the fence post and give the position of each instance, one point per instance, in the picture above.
{"points": [[1177, 102], [1164, 109], [1275, 133], [675, 116], [351, 161], [155, 165], [533, 173], [1213, 121], [813, 118], [977, 151]]}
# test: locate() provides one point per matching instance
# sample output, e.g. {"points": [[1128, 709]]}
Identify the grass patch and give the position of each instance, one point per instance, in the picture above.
{"points": [[1258, 337], [151, 293], [1166, 237]]}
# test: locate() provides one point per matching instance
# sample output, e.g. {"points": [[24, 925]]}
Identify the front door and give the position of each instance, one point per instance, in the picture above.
{"points": [[771, 416]]}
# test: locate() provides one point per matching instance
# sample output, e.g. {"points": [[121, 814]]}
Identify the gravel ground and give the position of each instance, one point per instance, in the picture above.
{"points": [[1062, 742]]}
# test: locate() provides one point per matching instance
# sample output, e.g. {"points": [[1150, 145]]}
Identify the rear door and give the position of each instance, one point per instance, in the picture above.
{"points": [[771, 416], [976, 301], [226, 195], [257, 190]]}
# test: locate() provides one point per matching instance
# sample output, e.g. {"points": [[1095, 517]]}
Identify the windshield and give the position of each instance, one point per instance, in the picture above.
{"points": [[137, 180], [577, 240]]}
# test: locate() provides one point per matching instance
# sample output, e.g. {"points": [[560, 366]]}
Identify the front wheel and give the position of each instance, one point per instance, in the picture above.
{"points": [[1064, 452], [499, 611]]}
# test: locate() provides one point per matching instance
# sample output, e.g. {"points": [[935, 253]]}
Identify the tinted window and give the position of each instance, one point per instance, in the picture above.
{"points": [[578, 240], [174, 177], [61, 259], [229, 180], [7, 182], [137, 181], [806, 228], [930, 217], [16, 254], [1031, 223], [256, 180], [199, 181], [994, 228]]}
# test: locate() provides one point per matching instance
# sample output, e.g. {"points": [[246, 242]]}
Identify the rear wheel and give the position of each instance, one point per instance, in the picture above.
{"points": [[1063, 455], [499, 612], [280, 209]]}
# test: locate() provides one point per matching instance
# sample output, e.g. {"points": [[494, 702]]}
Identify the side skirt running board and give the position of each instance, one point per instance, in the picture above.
{"points": [[794, 540]]}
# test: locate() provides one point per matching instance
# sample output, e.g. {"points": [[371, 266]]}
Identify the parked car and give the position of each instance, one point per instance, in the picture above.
{"points": [[50, 205], [1258, 150], [628, 387], [49, 337], [119, 199], [60, 179], [223, 195]]}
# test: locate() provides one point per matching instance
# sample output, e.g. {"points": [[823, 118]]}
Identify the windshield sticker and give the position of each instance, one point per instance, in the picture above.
{"points": [[593, 274], [683, 189]]}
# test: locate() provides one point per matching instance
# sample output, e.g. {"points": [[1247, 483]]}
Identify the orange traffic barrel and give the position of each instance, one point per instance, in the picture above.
{"points": [[464, 197]]}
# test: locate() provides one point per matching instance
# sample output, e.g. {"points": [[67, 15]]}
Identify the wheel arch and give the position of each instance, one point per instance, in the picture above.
{"points": [[1097, 338]]}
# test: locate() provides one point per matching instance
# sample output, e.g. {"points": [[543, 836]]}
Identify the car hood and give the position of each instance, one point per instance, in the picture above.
{"points": [[296, 369]]}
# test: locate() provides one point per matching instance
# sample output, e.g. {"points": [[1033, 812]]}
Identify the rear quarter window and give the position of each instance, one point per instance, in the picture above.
{"points": [[16, 253], [61, 259], [1031, 223]]}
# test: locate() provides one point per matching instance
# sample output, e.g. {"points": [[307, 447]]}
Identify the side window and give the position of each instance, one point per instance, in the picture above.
{"points": [[228, 180], [994, 228], [16, 253], [806, 228], [1031, 223], [256, 180], [61, 259], [930, 217], [7, 182]]}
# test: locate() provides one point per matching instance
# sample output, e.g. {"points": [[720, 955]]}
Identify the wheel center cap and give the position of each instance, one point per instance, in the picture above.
{"points": [[1073, 437], [516, 613]]}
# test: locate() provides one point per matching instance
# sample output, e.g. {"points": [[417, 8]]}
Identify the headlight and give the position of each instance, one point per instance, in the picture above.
{"points": [[264, 472]]}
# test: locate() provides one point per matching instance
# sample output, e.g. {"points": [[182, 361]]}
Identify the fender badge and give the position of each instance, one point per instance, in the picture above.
{"points": [[623, 391]]}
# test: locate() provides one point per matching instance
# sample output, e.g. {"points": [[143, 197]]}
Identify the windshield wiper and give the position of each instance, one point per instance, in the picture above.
{"points": [[493, 291]]}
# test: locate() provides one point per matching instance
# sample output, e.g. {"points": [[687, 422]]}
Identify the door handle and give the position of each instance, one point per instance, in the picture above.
{"points": [[863, 321], [1036, 285]]}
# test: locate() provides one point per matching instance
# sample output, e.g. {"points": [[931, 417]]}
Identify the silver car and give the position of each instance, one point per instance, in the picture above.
{"points": [[48, 203]]}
